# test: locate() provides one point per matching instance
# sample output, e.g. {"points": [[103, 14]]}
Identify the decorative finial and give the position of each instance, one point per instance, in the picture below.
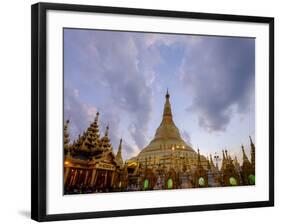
{"points": [[245, 158], [223, 155], [251, 140], [167, 93], [97, 116], [106, 131]]}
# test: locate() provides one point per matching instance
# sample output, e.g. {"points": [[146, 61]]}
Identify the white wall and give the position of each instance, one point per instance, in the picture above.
{"points": [[15, 109]]}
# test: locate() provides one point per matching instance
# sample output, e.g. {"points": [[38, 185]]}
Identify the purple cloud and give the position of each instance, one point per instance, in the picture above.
{"points": [[219, 73], [106, 64]]}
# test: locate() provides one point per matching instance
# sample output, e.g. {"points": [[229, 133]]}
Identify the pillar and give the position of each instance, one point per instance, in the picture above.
{"points": [[112, 178], [74, 178], [66, 175], [93, 177], [86, 178], [105, 178]]}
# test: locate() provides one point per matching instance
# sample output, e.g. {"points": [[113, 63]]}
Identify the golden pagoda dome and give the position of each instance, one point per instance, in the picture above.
{"points": [[167, 135], [167, 144]]}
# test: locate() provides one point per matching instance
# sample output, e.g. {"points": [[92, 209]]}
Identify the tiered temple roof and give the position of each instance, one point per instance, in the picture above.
{"points": [[90, 140], [253, 152], [89, 144], [105, 141], [66, 139], [245, 157]]}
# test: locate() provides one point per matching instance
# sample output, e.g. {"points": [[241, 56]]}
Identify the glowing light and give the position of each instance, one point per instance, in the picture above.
{"points": [[170, 183], [145, 184], [232, 181], [201, 182], [252, 179], [66, 163], [132, 164]]}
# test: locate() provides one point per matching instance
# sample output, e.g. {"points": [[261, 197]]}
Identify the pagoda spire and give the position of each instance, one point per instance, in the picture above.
{"points": [[226, 155], [223, 155], [167, 93], [97, 116], [105, 141], [198, 158], [253, 152], [66, 139], [167, 130], [106, 131], [223, 161], [90, 139], [167, 113], [245, 158], [236, 163], [94, 127], [119, 154]]}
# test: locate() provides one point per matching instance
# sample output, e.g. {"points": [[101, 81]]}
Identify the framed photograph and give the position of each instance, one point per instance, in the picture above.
{"points": [[140, 111]]}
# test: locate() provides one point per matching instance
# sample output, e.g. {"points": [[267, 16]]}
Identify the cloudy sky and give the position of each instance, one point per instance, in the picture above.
{"points": [[125, 75]]}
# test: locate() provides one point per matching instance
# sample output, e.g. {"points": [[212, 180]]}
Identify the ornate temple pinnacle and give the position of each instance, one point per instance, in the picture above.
{"points": [[106, 130], [119, 152], [66, 135], [251, 141], [167, 113], [211, 159], [253, 152], [97, 116], [167, 134], [245, 157], [167, 94]]}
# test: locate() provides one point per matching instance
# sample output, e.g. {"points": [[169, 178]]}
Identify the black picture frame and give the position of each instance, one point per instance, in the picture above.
{"points": [[39, 114]]}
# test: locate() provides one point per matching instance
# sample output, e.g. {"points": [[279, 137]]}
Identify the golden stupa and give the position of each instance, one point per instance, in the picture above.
{"points": [[167, 148]]}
